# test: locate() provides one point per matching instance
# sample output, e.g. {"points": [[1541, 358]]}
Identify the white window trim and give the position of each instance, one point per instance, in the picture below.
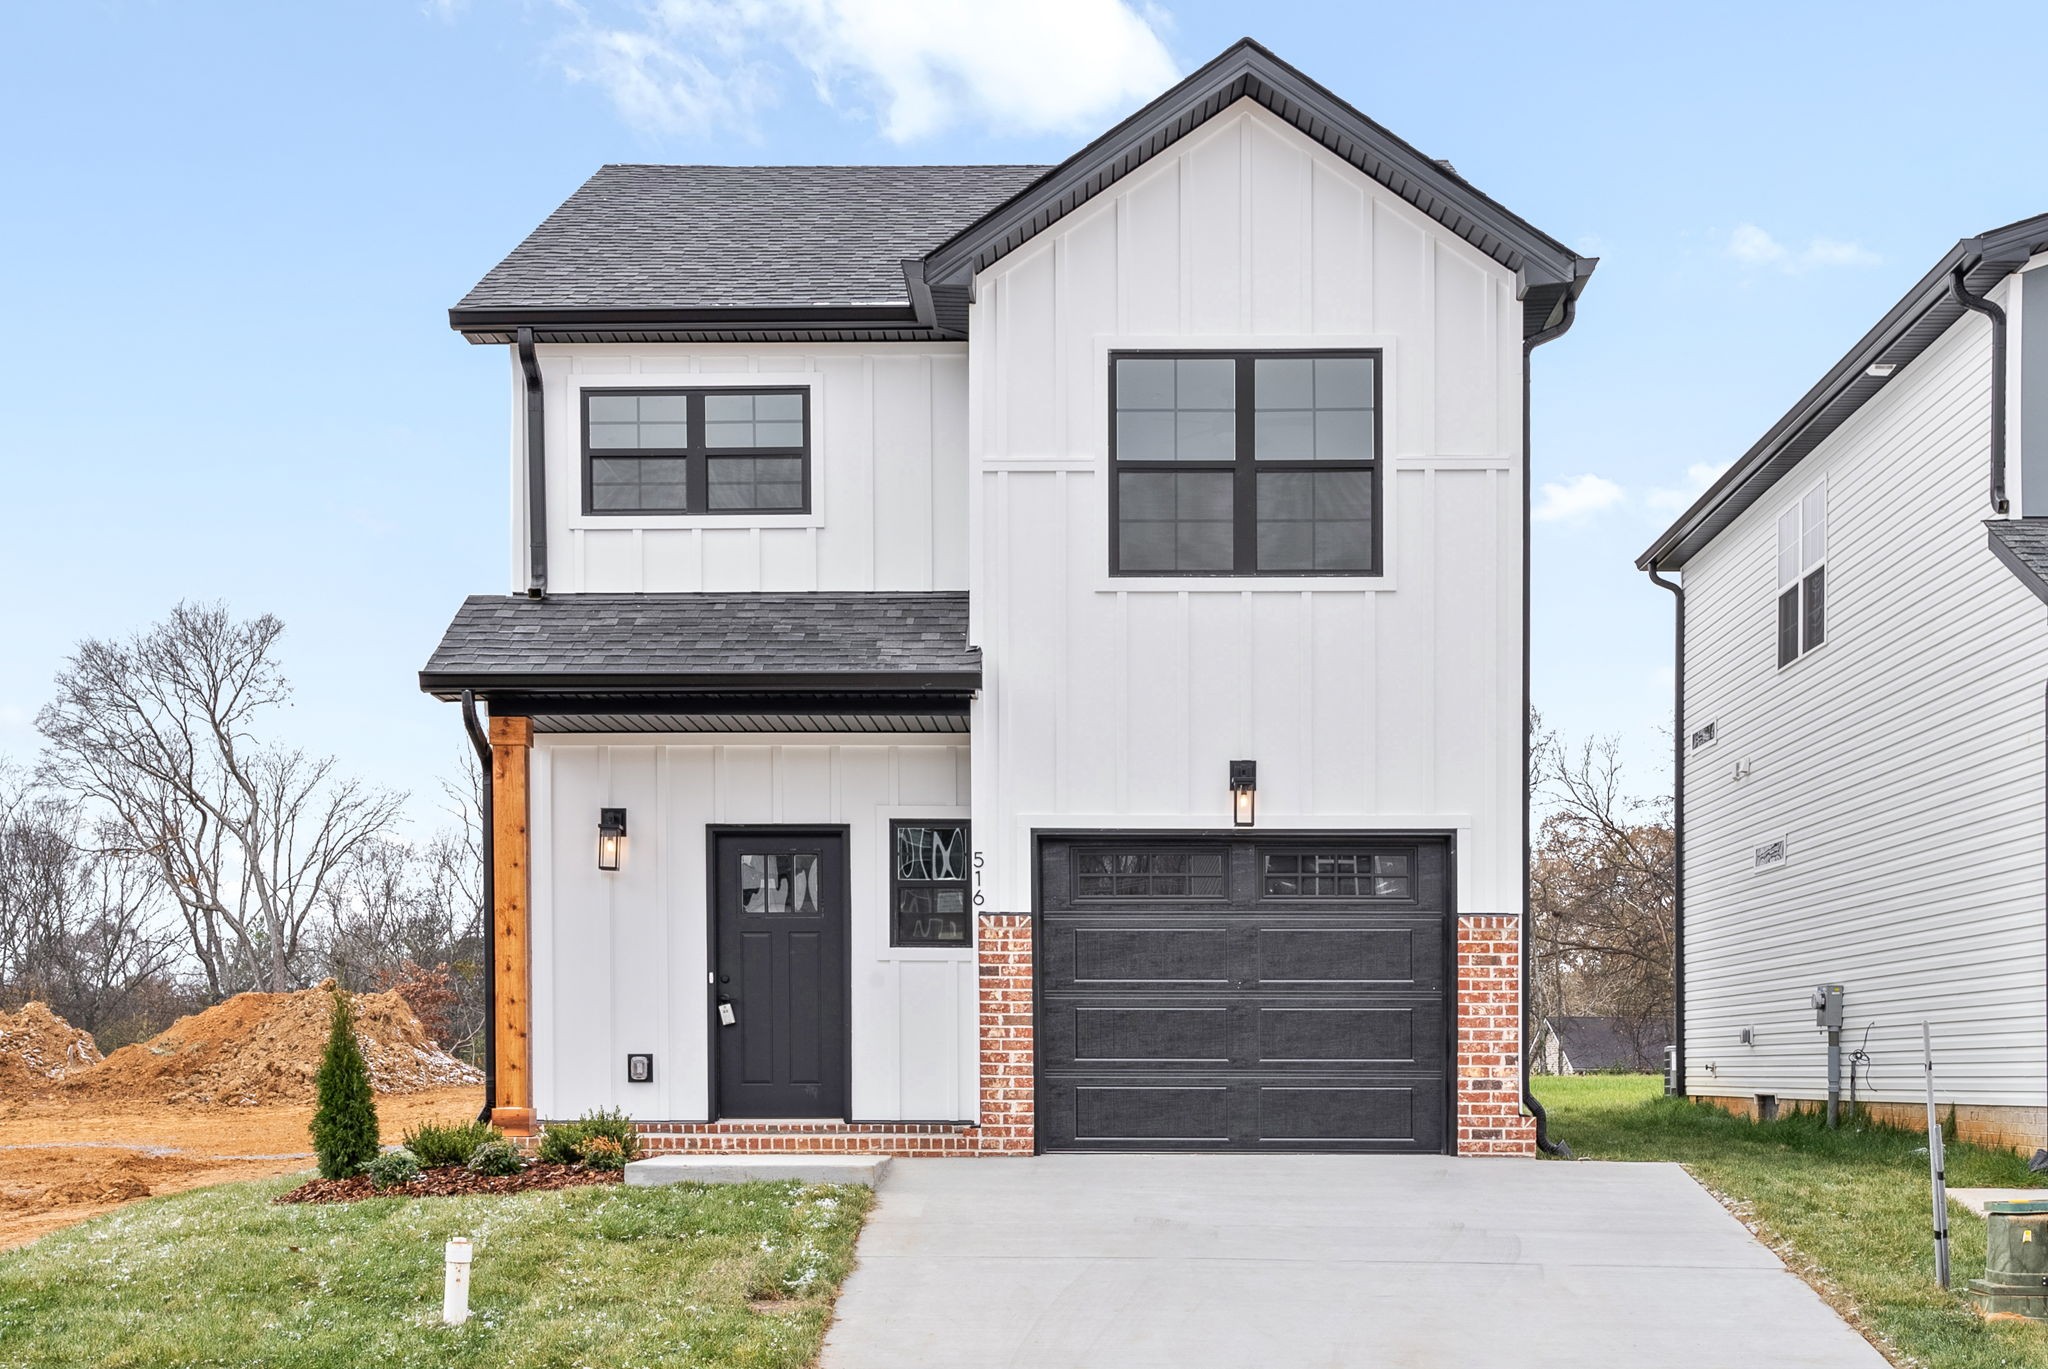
{"points": [[1806, 562]]}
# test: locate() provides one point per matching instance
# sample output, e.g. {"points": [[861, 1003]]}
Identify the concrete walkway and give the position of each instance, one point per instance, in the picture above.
{"points": [[1183, 1262]]}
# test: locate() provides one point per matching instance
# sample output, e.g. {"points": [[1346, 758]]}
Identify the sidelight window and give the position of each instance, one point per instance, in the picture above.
{"points": [[1245, 463], [928, 884], [696, 451]]}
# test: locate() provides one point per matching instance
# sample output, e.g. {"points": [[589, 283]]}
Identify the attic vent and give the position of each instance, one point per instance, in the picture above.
{"points": [[1704, 737]]}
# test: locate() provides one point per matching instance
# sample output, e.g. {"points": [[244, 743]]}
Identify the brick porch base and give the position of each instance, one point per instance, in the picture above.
{"points": [[1489, 1099]]}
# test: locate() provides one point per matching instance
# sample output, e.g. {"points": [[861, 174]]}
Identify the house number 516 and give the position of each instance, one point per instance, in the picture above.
{"points": [[980, 863]]}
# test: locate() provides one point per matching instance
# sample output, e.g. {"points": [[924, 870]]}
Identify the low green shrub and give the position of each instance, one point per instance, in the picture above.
{"points": [[393, 1169], [568, 1143], [441, 1143], [494, 1158], [602, 1152]]}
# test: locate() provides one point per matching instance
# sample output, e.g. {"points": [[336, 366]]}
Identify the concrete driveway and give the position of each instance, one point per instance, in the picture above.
{"points": [[1127, 1262]]}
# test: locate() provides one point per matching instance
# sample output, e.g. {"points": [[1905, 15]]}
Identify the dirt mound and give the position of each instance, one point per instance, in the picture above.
{"points": [[37, 1048], [259, 1048]]}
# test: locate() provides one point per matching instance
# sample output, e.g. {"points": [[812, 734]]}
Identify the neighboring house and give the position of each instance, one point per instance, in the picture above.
{"points": [[1589, 1045], [1013, 658], [1862, 665]]}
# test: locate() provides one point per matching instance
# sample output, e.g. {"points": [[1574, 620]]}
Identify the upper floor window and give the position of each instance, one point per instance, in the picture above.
{"points": [[697, 451], [1245, 463], [1803, 575]]}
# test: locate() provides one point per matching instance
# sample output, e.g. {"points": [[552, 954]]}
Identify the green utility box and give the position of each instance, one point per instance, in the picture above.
{"points": [[2015, 1281]]}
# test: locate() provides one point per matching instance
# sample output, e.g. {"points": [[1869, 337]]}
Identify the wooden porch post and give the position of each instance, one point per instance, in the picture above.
{"points": [[511, 748]]}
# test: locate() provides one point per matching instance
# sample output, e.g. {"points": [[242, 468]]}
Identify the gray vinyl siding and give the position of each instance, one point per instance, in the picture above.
{"points": [[1904, 759]]}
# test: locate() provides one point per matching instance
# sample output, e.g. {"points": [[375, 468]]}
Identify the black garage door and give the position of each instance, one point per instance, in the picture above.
{"points": [[1214, 994]]}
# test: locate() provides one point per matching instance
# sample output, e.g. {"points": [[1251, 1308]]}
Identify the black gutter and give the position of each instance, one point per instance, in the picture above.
{"points": [[1568, 309], [489, 916], [1679, 742], [536, 470], [672, 684], [892, 314], [1961, 290]]}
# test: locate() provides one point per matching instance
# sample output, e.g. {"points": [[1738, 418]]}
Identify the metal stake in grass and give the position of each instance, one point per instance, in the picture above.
{"points": [[1935, 1162], [455, 1283]]}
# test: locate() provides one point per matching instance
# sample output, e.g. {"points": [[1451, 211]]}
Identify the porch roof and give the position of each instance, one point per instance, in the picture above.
{"points": [[601, 653]]}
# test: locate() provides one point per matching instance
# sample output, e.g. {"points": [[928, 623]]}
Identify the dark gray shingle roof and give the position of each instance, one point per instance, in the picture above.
{"points": [[2022, 543], [651, 642], [1602, 1043], [702, 237]]}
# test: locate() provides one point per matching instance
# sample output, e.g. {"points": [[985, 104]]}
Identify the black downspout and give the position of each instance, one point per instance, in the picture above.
{"points": [[1991, 311], [1529, 345], [489, 916], [1678, 747], [536, 470]]}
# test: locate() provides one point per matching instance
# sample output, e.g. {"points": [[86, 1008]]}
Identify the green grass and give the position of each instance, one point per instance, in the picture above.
{"points": [[1848, 1209], [607, 1277]]}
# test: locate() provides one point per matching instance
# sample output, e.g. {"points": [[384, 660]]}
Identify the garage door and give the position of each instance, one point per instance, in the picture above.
{"points": [[1211, 994]]}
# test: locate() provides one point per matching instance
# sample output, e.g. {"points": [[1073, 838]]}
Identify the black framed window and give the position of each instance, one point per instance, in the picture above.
{"points": [[1245, 463], [928, 884], [718, 450], [1803, 575]]}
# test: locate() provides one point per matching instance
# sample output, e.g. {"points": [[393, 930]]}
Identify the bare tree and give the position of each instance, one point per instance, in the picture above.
{"points": [[1602, 893], [78, 926], [158, 732]]}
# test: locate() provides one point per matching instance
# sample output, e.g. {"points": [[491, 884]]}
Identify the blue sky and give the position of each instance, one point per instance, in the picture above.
{"points": [[231, 233]]}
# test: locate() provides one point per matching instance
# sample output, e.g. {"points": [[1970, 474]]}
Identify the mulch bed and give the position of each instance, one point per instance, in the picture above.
{"points": [[452, 1181]]}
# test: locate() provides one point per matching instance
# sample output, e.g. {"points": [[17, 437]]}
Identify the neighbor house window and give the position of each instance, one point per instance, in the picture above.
{"points": [[928, 890], [1803, 575], [1246, 463], [696, 451]]}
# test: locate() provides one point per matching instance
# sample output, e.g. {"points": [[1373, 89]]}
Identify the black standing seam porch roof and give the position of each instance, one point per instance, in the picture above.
{"points": [[802, 254], [871, 652], [1908, 329]]}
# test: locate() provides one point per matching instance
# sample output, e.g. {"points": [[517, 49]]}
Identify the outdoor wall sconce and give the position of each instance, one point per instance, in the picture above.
{"points": [[611, 837], [639, 1069], [1244, 792]]}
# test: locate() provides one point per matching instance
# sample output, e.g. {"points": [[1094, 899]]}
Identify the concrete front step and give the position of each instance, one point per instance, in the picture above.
{"points": [[749, 1169]]}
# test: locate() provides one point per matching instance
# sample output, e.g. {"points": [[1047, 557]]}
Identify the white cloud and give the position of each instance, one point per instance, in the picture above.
{"points": [[915, 66], [1698, 476], [1752, 246], [1576, 499]]}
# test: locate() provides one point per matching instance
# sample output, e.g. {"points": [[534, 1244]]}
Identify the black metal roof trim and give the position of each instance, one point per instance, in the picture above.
{"points": [[2022, 543], [686, 644], [1909, 328], [1247, 70]]}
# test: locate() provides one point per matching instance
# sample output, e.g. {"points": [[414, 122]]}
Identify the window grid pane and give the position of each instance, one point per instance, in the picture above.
{"points": [[639, 483], [1149, 874], [1176, 409], [1176, 520], [641, 458], [1315, 520], [1313, 408], [1336, 875]]}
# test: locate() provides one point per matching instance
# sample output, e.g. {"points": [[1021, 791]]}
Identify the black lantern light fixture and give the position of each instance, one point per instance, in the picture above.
{"points": [[611, 837], [1244, 792]]}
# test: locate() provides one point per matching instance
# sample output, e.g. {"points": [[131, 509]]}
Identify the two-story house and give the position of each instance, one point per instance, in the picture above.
{"points": [[1011, 658], [1862, 662]]}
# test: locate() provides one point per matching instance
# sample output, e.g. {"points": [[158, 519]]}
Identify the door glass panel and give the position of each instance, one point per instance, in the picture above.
{"points": [[771, 884]]}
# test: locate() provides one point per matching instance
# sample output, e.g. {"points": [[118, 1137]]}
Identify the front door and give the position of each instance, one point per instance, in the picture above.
{"points": [[779, 1017]]}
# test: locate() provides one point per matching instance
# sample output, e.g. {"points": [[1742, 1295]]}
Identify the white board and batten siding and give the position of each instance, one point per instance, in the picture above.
{"points": [[620, 959], [888, 474], [1901, 762], [1367, 703]]}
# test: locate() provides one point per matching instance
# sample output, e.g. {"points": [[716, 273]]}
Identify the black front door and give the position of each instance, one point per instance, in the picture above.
{"points": [[780, 914]]}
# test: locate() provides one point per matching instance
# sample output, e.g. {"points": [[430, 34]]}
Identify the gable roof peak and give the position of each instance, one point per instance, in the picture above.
{"points": [[1547, 271]]}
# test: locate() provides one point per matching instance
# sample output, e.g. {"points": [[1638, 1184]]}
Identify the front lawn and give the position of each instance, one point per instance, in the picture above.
{"points": [[726, 1275], [1846, 1209]]}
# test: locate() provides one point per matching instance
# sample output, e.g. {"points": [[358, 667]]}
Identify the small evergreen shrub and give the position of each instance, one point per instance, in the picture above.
{"points": [[440, 1143], [602, 1152], [393, 1169], [495, 1158], [568, 1143], [345, 1112], [562, 1144]]}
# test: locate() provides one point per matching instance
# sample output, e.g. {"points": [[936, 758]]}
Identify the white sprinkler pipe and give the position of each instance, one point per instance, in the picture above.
{"points": [[455, 1285]]}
